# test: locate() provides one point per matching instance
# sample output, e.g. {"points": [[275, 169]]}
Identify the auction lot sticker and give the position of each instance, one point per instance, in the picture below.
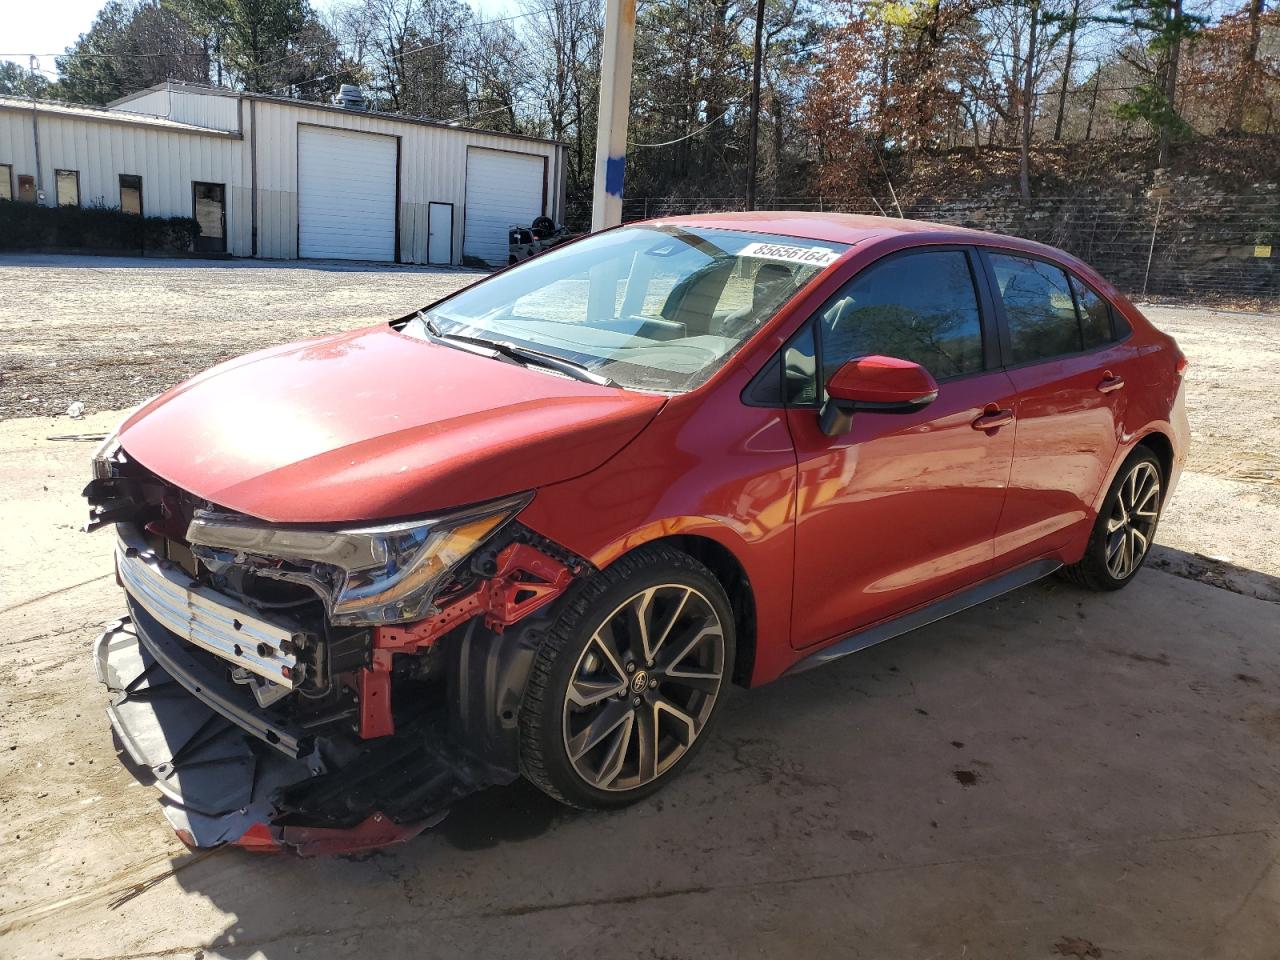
{"points": [[810, 256]]}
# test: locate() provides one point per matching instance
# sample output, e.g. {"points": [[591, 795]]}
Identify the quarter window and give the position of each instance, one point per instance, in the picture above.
{"points": [[921, 307], [68, 185], [131, 193], [1095, 316], [1038, 306]]}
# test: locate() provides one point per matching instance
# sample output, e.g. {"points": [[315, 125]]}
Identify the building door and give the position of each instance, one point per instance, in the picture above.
{"points": [[440, 233], [209, 207], [346, 194], [504, 189]]}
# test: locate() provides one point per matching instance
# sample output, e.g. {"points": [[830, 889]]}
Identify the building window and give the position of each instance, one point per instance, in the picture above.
{"points": [[6, 181], [68, 187], [26, 188], [131, 193]]}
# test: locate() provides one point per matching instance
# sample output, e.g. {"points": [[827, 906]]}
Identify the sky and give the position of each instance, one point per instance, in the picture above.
{"points": [[47, 28]]}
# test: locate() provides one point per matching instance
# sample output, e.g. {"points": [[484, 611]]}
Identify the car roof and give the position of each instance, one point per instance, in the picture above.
{"points": [[854, 229]]}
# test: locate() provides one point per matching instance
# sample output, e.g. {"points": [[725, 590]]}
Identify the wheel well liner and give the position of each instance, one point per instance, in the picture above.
{"points": [[1159, 444], [720, 560]]}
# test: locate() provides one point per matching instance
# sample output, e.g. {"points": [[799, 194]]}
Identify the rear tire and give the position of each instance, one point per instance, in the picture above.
{"points": [[627, 681], [1125, 526]]}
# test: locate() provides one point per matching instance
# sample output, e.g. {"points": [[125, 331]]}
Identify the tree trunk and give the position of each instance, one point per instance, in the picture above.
{"points": [[1029, 106], [1066, 68], [1248, 68], [1093, 102], [1170, 89]]}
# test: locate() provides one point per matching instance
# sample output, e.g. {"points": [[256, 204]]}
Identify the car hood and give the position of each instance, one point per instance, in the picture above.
{"points": [[375, 424]]}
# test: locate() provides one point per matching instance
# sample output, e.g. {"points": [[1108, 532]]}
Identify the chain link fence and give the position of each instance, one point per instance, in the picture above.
{"points": [[1179, 239]]}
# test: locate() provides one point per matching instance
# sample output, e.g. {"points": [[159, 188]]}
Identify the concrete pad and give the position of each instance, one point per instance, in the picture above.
{"points": [[1119, 751]]}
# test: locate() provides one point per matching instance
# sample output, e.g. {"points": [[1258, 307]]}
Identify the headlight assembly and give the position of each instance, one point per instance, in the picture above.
{"points": [[366, 575]]}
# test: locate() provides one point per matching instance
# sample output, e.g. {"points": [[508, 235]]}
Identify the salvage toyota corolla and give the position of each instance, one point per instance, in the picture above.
{"points": [[541, 526]]}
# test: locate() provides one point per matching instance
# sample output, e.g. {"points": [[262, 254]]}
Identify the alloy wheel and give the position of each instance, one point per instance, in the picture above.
{"points": [[643, 687], [1132, 523]]}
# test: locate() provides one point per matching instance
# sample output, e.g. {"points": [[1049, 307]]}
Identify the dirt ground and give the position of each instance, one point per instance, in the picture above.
{"points": [[1051, 774]]}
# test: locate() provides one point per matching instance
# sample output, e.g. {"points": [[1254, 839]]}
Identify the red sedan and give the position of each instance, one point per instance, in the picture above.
{"points": [[538, 527]]}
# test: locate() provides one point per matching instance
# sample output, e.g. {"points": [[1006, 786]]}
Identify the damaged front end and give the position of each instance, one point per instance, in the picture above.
{"points": [[289, 686]]}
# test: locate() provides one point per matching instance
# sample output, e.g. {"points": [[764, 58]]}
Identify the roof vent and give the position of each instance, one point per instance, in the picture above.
{"points": [[350, 97]]}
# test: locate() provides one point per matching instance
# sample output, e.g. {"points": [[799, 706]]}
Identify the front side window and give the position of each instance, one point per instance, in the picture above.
{"points": [[652, 308], [921, 307], [131, 194], [68, 186], [1038, 306]]}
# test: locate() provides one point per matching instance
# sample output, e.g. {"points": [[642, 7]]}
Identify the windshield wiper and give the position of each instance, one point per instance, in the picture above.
{"points": [[526, 355]]}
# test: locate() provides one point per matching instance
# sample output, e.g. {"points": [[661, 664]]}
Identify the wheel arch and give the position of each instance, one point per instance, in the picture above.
{"points": [[1162, 447], [732, 576], [1157, 438], [705, 541]]}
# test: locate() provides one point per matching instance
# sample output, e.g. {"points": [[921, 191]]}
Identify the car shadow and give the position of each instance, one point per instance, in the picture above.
{"points": [[820, 772]]}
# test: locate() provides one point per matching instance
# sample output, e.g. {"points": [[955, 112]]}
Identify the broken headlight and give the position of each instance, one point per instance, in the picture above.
{"points": [[366, 575]]}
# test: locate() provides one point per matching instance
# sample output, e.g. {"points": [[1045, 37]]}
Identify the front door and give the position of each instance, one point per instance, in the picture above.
{"points": [[902, 509], [1066, 372], [209, 207]]}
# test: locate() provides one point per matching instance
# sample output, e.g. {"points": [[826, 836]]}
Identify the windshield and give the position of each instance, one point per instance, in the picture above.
{"points": [[652, 308]]}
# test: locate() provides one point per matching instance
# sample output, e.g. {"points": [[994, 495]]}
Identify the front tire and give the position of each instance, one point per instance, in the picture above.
{"points": [[1125, 526], [627, 681]]}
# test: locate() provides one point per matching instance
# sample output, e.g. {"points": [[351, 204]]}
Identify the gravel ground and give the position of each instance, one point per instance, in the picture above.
{"points": [[111, 331]]}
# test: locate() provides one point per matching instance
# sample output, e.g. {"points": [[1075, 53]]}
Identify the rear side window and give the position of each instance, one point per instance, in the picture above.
{"points": [[1095, 316], [1038, 306], [920, 306]]}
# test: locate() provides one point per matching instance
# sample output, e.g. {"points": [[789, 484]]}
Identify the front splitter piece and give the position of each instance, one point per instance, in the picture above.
{"points": [[222, 785]]}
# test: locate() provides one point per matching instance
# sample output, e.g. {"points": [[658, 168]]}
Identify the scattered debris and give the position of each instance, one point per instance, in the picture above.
{"points": [[76, 410], [1161, 659], [1076, 947]]}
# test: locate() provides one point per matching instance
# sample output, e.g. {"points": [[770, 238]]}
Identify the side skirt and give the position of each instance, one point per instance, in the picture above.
{"points": [[938, 610]]}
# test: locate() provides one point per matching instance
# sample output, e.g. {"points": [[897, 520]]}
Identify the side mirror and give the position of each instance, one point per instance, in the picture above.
{"points": [[875, 384]]}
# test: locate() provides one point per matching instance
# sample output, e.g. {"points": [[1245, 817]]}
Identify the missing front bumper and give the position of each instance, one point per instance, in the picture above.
{"points": [[230, 773]]}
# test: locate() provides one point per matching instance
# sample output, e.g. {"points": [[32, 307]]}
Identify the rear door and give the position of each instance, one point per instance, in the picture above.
{"points": [[902, 509], [1069, 376]]}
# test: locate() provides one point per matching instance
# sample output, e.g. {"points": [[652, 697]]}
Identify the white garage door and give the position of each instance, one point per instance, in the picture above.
{"points": [[502, 189], [346, 195]]}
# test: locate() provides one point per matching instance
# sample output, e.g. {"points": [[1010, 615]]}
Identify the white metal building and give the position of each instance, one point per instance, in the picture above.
{"points": [[273, 177]]}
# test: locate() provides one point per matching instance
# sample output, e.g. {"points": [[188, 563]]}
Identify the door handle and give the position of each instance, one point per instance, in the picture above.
{"points": [[1110, 383], [992, 418]]}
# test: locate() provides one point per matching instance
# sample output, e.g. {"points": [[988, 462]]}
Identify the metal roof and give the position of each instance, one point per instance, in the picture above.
{"points": [[211, 91], [102, 115]]}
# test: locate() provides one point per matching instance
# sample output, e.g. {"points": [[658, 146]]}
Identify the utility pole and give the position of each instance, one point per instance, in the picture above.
{"points": [[754, 135], [615, 104]]}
